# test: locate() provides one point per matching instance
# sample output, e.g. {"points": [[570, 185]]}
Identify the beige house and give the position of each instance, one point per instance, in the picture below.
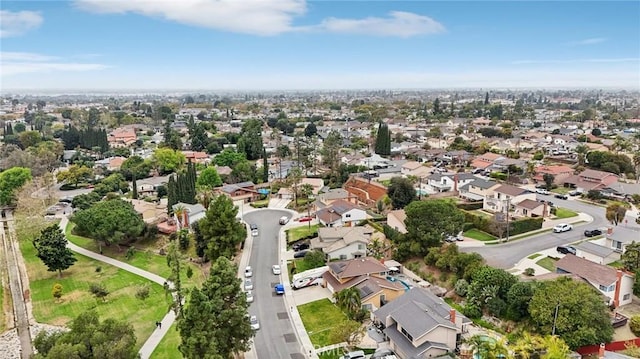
{"points": [[395, 220], [342, 242], [504, 195], [477, 190]]}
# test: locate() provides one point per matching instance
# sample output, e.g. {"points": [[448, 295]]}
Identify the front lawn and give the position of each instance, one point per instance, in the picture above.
{"points": [[534, 256], [145, 260], [561, 190], [547, 263], [120, 304], [168, 347], [479, 235], [562, 213], [319, 318], [304, 231]]}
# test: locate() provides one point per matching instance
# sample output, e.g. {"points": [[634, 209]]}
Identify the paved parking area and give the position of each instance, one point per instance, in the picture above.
{"points": [[310, 294]]}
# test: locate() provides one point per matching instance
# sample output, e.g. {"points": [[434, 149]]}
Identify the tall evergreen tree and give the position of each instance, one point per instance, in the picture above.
{"points": [[383, 140], [172, 195], [265, 167], [134, 192], [486, 98], [190, 184]]}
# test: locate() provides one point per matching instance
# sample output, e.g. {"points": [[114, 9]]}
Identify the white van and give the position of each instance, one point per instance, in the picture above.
{"points": [[284, 220]]}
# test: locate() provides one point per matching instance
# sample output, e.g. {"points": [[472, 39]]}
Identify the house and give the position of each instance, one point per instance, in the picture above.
{"points": [[448, 182], [342, 242], [115, 163], [196, 157], [122, 137], [369, 276], [506, 194], [410, 166], [151, 212], [186, 214], [620, 239], [367, 192], [614, 284], [559, 173], [325, 199], [395, 220], [590, 179], [477, 189], [597, 253], [421, 325], [531, 208], [621, 190], [244, 191], [486, 160], [340, 213]]}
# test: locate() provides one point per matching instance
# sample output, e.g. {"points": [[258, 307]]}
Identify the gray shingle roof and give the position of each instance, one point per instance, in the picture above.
{"points": [[593, 248]]}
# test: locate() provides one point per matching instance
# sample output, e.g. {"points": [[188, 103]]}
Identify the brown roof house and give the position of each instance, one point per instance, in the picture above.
{"points": [[531, 208], [122, 137], [590, 180], [341, 214], [506, 194], [243, 191], [367, 192], [559, 173], [369, 276], [342, 242], [421, 325], [614, 284]]}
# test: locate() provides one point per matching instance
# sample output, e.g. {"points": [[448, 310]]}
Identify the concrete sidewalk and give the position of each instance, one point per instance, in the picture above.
{"points": [[152, 342]]}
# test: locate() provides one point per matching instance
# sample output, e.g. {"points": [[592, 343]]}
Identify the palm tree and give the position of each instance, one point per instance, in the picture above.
{"points": [[556, 348], [307, 191], [636, 164], [582, 150], [349, 300], [527, 345], [489, 348], [180, 211]]}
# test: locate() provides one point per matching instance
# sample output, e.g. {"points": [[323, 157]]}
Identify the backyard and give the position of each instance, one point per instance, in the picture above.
{"points": [[304, 231], [319, 318], [479, 235]]}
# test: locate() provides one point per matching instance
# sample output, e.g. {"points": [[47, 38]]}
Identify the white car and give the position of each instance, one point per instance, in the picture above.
{"points": [[562, 227], [254, 229], [541, 191], [275, 269], [248, 272], [283, 220], [255, 324], [248, 284], [249, 296]]}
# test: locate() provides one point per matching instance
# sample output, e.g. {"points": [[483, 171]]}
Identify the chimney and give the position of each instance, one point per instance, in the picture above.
{"points": [[545, 210], [185, 219], [455, 183], [452, 315], [616, 296], [601, 351]]}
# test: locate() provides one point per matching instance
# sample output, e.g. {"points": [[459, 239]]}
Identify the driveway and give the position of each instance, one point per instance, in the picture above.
{"points": [[310, 294]]}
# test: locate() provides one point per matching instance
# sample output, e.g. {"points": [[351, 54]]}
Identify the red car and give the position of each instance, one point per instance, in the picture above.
{"points": [[305, 219]]}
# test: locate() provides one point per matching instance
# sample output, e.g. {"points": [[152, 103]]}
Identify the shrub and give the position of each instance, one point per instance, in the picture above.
{"points": [[130, 252], [471, 311], [98, 290], [634, 324], [189, 272], [56, 292], [461, 287], [470, 206], [529, 272], [142, 292], [98, 269]]}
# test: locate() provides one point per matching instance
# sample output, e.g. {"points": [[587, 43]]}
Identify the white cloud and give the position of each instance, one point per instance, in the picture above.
{"points": [[17, 23], [15, 63], [399, 23], [591, 41], [577, 61], [262, 17]]}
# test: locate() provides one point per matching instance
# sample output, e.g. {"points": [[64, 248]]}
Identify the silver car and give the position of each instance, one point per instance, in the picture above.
{"points": [[249, 296], [248, 284], [255, 324]]}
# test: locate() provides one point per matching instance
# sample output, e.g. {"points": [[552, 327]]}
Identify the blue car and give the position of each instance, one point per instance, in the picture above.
{"points": [[279, 288]]}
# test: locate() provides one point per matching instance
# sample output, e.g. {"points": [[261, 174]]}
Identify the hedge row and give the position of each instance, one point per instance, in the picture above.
{"points": [[470, 206], [515, 227]]}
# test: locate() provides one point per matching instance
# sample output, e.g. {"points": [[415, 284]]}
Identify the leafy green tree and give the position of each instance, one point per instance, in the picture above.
{"points": [[115, 182], [331, 151], [75, 174], [29, 138], [12, 180], [583, 318], [518, 298], [134, 192], [250, 141], [213, 323], [490, 286], [310, 130], [265, 167], [209, 178], [198, 137], [615, 213], [548, 180], [401, 192], [86, 200], [111, 221], [135, 166], [487, 348], [242, 172], [168, 160], [88, 338], [428, 222], [221, 229], [51, 248], [631, 257], [99, 290], [314, 259], [229, 158]]}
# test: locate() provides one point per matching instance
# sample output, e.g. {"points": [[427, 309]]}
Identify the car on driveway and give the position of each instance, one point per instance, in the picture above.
{"points": [[592, 232], [255, 324], [566, 250], [248, 284], [275, 269], [562, 227], [300, 254], [300, 246]]}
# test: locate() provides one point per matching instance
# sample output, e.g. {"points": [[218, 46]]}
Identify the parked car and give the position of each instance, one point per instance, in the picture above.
{"points": [[279, 288], [300, 254], [283, 220], [305, 219], [275, 269], [358, 354], [561, 196], [541, 191], [574, 193], [248, 284], [249, 296], [248, 272], [255, 324], [562, 227], [566, 250], [254, 229], [300, 246], [592, 232]]}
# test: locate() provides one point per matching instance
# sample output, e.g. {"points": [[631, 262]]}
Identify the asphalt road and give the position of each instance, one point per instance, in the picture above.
{"points": [[276, 338], [506, 255]]}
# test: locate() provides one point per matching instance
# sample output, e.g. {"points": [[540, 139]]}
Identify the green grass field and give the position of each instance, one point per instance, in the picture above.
{"points": [[547, 263], [534, 256], [120, 304], [168, 347], [319, 318], [146, 259], [562, 213], [294, 234], [479, 235]]}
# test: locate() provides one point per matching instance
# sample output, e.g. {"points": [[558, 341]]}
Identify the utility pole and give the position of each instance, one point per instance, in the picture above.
{"points": [[420, 188], [508, 205], [555, 317]]}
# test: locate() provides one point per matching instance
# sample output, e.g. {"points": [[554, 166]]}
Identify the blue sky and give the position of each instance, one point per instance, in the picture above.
{"points": [[298, 44]]}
